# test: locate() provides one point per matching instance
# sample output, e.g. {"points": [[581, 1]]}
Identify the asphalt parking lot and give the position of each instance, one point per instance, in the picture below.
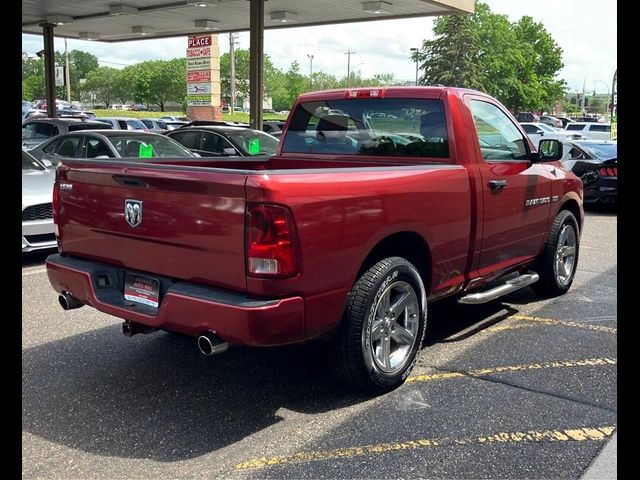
{"points": [[518, 388]]}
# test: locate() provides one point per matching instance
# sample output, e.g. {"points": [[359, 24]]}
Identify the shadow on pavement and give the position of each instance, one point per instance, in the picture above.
{"points": [[36, 258], [155, 396]]}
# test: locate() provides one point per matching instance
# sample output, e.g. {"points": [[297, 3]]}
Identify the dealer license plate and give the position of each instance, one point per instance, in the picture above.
{"points": [[141, 289]]}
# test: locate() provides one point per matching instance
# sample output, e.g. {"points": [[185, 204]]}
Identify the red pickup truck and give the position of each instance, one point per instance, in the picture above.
{"points": [[377, 202]]}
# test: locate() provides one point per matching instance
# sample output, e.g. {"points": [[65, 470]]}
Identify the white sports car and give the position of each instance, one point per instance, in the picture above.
{"points": [[37, 209]]}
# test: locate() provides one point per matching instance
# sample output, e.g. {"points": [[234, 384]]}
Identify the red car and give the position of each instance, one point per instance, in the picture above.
{"points": [[377, 202]]}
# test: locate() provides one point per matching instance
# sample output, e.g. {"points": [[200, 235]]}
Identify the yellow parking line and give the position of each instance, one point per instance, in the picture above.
{"points": [[551, 321], [587, 362], [574, 435]]}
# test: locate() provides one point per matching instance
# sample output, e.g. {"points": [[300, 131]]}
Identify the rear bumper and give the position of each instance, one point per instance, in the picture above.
{"points": [[605, 190], [185, 307]]}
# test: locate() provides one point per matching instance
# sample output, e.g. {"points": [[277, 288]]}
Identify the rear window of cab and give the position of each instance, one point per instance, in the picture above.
{"points": [[369, 127]]}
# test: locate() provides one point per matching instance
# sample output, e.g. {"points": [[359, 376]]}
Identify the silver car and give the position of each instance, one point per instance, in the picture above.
{"points": [[37, 209]]}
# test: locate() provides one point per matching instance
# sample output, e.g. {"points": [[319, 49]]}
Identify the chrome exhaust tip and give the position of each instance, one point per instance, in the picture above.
{"points": [[68, 302], [210, 344]]}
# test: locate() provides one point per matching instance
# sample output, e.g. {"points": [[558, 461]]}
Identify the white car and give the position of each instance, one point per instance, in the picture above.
{"points": [[38, 231], [594, 130], [537, 131]]}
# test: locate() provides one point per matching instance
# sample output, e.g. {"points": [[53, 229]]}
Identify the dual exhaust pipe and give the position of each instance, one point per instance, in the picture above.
{"points": [[211, 344], [68, 301], [208, 342]]}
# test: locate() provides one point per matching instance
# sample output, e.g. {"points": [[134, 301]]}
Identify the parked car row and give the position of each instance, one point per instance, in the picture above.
{"points": [[595, 162]]}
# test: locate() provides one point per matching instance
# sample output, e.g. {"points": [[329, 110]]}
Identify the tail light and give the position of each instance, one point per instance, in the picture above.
{"points": [[609, 171], [271, 241], [55, 204]]}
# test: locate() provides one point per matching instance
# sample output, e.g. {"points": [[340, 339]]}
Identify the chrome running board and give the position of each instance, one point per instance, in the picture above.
{"points": [[509, 286]]}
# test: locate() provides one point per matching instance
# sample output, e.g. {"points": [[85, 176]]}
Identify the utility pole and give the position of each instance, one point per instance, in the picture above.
{"points": [[582, 106], [232, 61], [414, 54], [310, 70], [614, 94], [67, 73], [348, 54]]}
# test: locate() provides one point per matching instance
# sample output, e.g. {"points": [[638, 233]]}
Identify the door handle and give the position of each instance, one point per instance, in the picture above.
{"points": [[497, 184]]}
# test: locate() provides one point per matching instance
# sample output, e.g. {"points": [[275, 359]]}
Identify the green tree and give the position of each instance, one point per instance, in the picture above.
{"points": [[517, 63], [452, 57], [81, 64], [241, 60], [103, 82], [154, 82], [324, 81]]}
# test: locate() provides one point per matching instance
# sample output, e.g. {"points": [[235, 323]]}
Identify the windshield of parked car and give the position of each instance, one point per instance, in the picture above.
{"points": [[254, 142], [134, 124], [369, 126], [546, 127], [30, 163], [147, 146], [602, 150]]}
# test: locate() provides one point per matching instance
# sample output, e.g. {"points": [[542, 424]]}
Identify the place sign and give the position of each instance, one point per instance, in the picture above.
{"points": [[199, 41]]}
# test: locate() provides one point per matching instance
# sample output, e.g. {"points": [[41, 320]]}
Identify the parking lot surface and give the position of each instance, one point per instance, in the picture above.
{"points": [[518, 388]]}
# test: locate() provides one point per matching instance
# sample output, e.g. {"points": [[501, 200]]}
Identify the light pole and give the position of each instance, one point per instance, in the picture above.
{"points": [[614, 94], [348, 54], [310, 70], [607, 87], [415, 57]]}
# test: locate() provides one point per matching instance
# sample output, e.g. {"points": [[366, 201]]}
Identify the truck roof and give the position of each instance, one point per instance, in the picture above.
{"points": [[394, 92]]}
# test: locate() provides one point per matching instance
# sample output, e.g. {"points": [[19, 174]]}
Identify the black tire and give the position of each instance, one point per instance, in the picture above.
{"points": [[357, 357], [552, 283]]}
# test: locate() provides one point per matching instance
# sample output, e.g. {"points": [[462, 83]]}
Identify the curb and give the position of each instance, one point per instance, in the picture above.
{"points": [[605, 465]]}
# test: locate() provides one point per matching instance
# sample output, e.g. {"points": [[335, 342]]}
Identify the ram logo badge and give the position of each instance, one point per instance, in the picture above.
{"points": [[133, 212]]}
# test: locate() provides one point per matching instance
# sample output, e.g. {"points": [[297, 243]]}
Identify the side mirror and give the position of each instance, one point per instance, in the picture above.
{"points": [[540, 132], [549, 150], [229, 151]]}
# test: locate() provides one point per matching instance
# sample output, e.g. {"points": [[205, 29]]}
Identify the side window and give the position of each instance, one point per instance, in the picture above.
{"points": [[97, 148], [212, 143], [600, 128], [29, 131], [123, 125], [67, 147], [51, 147], [187, 139], [46, 130], [530, 128], [147, 123], [499, 138]]}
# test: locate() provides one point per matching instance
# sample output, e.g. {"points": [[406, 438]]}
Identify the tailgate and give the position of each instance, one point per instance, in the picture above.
{"points": [[176, 221]]}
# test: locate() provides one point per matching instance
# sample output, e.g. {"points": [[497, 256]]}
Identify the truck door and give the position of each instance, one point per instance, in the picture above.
{"points": [[516, 193]]}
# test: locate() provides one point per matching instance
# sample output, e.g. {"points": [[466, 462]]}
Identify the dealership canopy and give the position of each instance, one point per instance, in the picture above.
{"points": [[110, 21]]}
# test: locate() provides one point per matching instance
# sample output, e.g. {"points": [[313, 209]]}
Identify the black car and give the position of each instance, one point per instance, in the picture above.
{"points": [[273, 126], [222, 140], [527, 117], [596, 163], [37, 130], [108, 143]]}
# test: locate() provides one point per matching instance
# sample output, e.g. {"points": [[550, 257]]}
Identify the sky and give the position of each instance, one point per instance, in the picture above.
{"points": [[586, 30]]}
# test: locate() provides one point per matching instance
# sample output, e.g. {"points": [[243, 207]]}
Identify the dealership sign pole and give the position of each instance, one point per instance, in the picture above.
{"points": [[203, 77]]}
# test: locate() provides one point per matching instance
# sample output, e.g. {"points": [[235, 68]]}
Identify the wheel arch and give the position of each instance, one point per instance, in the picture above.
{"points": [[407, 244], [572, 205]]}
